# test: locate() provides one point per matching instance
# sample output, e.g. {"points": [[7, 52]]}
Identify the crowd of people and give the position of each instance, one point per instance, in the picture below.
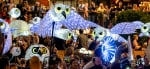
{"points": [[102, 14], [66, 53], [27, 11], [106, 15]]}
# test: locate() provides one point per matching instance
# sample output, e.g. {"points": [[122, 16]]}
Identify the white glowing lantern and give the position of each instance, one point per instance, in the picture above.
{"points": [[84, 51]]}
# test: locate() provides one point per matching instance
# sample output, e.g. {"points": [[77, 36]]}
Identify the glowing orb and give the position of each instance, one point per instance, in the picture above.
{"points": [[108, 49]]}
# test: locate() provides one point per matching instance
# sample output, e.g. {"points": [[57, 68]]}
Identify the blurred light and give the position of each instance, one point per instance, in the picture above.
{"points": [[84, 51], [108, 49], [128, 68]]}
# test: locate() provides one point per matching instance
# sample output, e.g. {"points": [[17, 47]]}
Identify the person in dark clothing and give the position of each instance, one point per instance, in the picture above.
{"points": [[146, 65], [4, 62], [97, 67], [93, 44], [92, 12], [129, 6], [120, 7], [53, 62], [98, 63], [115, 65], [112, 12], [37, 9], [124, 62], [59, 43]]}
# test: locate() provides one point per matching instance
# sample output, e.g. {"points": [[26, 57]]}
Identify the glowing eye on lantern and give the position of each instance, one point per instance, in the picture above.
{"points": [[69, 36], [145, 29], [101, 34], [2, 25], [58, 10], [17, 11], [67, 10], [93, 34], [43, 50], [35, 19], [35, 50]]}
